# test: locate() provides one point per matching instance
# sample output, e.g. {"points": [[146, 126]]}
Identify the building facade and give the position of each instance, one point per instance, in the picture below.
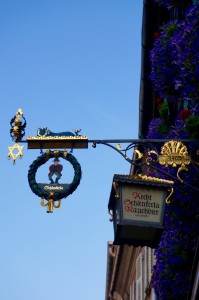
{"points": [[129, 272], [130, 269]]}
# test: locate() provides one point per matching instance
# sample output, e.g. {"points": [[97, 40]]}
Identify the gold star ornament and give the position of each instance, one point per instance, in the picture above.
{"points": [[14, 153]]}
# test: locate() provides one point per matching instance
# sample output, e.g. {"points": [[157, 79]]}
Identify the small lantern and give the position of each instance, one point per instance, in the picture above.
{"points": [[137, 203]]}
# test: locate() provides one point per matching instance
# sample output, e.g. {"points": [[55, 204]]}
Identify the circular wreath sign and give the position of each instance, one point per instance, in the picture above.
{"points": [[41, 160]]}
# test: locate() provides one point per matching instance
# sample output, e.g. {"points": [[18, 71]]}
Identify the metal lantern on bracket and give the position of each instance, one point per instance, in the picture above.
{"points": [[137, 205]]}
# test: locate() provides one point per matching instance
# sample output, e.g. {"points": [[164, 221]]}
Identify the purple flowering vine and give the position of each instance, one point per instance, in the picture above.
{"points": [[175, 77], [175, 57], [172, 5]]}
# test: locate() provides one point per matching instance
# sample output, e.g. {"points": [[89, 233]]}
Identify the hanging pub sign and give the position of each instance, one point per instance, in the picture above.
{"points": [[137, 205], [54, 188]]}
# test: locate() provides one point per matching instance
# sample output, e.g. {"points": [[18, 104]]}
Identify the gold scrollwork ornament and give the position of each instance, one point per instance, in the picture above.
{"points": [[168, 199], [137, 154], [150, 159], [50, 204]]}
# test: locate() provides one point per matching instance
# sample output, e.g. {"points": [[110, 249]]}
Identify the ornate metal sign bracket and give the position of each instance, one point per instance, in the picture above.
{"points": [[157, 154], [145, 154]]}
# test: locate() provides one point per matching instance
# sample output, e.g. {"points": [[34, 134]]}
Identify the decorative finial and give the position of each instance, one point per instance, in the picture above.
{"points": [[18, 125], [17, 131]]}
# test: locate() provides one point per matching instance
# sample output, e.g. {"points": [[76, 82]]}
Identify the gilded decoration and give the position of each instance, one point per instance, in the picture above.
{"points": [[17, 131], [174, 153], [47, 139], [44, 138], [46, 134], [50, 204], [18, 125], [146, 178], [15, 155]]}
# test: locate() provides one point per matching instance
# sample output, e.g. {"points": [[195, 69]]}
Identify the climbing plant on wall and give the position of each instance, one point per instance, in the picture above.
{"points": [[175, 76]]}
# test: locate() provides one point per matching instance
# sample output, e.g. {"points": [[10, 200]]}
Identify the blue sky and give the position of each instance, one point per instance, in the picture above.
{"points": [[67, 64]]}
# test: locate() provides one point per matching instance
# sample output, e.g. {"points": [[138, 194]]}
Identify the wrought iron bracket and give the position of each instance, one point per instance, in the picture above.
{"points": [[145, 154], [158, 154]]}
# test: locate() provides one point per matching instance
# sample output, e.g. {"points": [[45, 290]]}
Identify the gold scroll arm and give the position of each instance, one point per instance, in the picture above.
{"points": [[168, 199], [183, 168]]}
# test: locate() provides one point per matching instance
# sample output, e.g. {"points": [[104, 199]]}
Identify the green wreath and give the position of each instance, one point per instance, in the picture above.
{"points": [[42, 159]]}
